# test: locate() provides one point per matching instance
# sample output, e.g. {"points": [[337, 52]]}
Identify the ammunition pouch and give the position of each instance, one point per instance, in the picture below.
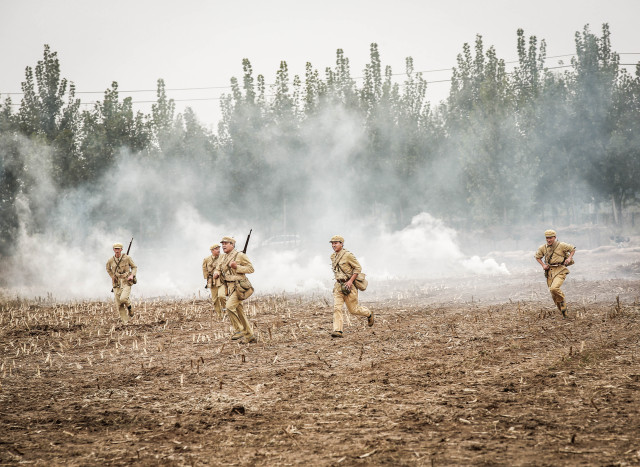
{"points": [[244, 289], [361, 282]]}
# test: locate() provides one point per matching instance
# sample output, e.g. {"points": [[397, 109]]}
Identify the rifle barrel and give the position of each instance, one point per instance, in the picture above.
{"points": [[246, 244]]}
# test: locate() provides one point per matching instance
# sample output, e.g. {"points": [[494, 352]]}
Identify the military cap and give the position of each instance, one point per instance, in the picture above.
{"points": [[337, 238], [549, 233], [117, 245], [214, 246], [228, 239]]}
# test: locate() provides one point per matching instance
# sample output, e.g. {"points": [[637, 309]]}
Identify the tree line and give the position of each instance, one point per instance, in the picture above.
{"points": [[533, 143]]}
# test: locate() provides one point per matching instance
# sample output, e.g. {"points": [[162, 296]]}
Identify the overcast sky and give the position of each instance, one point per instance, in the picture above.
{"points": [[201, 44]]}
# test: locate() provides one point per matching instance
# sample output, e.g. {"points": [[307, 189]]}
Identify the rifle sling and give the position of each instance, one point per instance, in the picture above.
{"points": [[116, 270], [226, 264]]}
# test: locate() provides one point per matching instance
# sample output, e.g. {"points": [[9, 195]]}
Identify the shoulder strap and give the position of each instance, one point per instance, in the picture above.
{"points": [[548, 258], [227, 261], [336, 262]]}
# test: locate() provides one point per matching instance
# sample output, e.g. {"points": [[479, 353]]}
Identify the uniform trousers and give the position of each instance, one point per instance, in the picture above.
{"points": [[555, 278], [235, 311], [121, 297], [351, 300], [218, 298]]}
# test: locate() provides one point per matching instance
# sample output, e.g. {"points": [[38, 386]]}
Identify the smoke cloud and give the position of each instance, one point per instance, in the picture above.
{"points": [[170, 208]]}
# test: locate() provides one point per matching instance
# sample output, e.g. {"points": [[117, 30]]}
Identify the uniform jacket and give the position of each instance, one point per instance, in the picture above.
{"points": [[344, 265], [209, 265], [228, 274], [556, 253], [120, 268]]}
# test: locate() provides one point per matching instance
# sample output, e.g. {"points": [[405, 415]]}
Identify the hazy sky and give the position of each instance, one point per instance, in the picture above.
{"points": [[201, 44]]}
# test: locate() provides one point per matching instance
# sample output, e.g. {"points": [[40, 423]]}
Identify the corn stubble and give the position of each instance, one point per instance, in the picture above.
{"points": [[444, 377]]}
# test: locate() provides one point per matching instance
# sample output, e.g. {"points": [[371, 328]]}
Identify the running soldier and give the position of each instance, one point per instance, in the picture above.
{"points": [[122, 271], [214, 285], [232, 270], [346, 269], [557, 256]]}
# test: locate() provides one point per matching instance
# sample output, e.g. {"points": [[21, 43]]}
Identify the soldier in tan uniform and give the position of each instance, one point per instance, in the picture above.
{"points": [[232, 270], [122, 271], [557, 256], [345, 269], [214, 285]]}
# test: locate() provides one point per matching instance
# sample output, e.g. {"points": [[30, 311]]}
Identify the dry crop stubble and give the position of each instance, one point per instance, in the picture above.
{"points": [[445, 376]]}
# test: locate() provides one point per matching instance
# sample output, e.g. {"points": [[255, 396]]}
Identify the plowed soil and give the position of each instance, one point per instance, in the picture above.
{"points": [[449, 375]]}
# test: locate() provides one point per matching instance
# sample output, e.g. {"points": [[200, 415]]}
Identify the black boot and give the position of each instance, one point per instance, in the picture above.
{"points": [[563, 309]]}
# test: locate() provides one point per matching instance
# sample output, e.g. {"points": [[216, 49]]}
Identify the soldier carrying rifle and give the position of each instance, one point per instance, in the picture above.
{"points": [[232, 271], [122, 271]]}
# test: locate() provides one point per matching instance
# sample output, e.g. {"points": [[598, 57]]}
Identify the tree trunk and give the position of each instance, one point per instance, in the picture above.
{"points": [[614, 208]]}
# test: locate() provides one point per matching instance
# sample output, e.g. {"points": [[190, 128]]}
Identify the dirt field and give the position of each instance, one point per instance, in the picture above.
{"points": [[449, 375]]}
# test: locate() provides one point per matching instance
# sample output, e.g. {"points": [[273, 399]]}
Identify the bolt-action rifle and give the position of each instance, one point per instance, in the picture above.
{"points": [[246, 244]]}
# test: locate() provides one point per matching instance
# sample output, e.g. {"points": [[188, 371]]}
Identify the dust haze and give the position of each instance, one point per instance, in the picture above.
{"points": [[176, 207], [171, 209]]}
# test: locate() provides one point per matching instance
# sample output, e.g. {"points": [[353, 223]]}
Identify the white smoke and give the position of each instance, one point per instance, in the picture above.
{"points": [[65, 255], [48, 264]]}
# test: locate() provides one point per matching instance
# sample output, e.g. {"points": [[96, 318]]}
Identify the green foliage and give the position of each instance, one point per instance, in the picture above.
{"points": [[501, 146], [12, 179], [162, 119], [111, 126]]}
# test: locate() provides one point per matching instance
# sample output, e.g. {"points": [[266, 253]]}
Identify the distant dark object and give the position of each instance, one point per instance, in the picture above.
{"points": [[239, 409], [619, 239]]}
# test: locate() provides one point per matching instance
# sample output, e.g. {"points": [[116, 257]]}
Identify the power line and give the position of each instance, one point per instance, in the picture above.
{"points": [[271, 95], [203, 88]]}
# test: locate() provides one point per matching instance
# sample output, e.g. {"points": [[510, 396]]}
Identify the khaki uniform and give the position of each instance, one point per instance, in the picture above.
{"points": [[229, 277], [216, 287], [119, 269], [344, 265], [555, 256]]}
